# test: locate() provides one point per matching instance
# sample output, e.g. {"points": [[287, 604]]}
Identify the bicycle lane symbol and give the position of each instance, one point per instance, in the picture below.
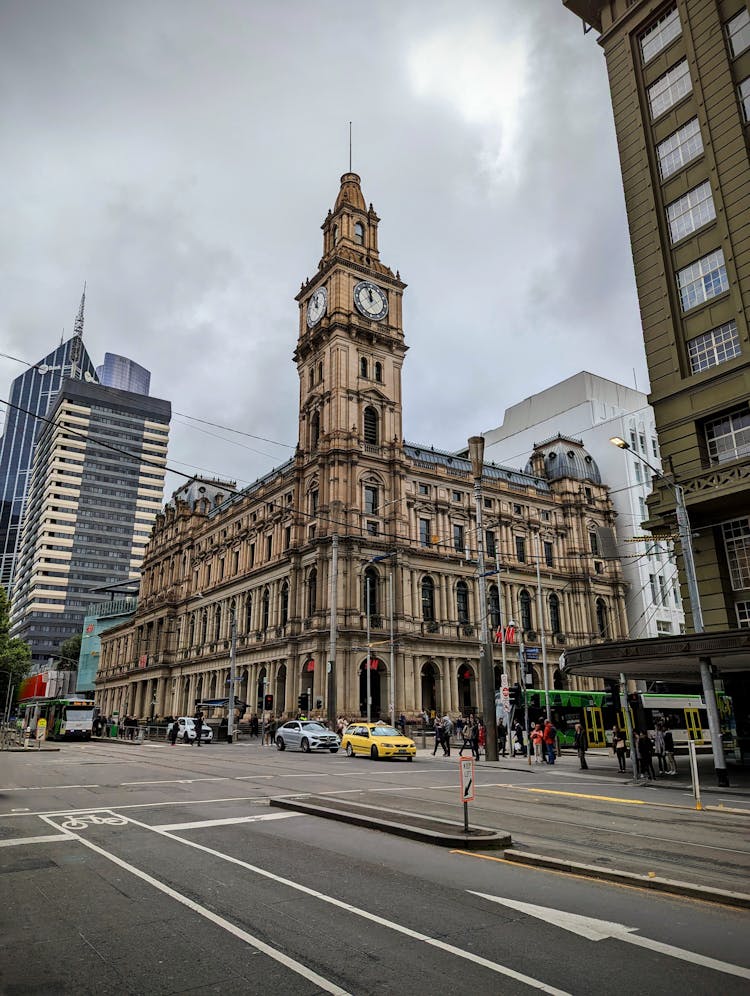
{"points": [[77, 823]]}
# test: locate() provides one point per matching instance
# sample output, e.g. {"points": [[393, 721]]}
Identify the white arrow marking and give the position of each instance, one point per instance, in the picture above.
{"points": [[599, 930]]}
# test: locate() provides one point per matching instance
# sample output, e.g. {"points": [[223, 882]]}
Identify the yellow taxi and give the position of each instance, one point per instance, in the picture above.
{"points": [[376, 740]]}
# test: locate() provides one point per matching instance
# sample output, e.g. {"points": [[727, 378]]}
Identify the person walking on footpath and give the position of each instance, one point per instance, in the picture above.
{"points": [[619, 748], [550, 739], [198, 724], [581, 744], [669, 751], [467, 735], [659, 748], [645, 755], [173, 730], [438, 735], [447, 730], [477, 729], [518, 744], [537, 741], [502, 738]]}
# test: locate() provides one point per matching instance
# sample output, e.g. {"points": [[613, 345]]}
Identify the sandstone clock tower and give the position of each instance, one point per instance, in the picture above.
{"points": [[349, 356]]}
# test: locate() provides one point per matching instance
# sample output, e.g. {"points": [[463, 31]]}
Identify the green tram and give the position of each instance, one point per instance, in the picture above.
{"points": [[598, 712], [67, 718]]}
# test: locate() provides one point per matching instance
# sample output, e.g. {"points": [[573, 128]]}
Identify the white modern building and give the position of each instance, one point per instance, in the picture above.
{"points": [[594, 409]]}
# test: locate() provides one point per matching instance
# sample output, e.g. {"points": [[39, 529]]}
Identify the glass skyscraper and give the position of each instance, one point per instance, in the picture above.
{"points": [[32, 393], [123, 373]]}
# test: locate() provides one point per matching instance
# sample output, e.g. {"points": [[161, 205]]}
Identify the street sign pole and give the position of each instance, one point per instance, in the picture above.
{"points": [[466, 780]]}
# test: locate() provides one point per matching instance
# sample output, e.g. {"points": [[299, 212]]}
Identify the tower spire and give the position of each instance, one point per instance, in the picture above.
{"points": [[76, 345]]}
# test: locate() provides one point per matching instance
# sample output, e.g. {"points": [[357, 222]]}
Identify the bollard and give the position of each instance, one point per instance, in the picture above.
{"points": [[694, 774]]}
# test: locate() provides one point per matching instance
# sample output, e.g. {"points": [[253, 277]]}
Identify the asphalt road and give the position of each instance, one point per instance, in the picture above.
{"points": [[160, 870]]}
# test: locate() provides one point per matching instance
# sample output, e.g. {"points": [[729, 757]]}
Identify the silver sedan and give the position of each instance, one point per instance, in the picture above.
{"points": [[306, 735]]}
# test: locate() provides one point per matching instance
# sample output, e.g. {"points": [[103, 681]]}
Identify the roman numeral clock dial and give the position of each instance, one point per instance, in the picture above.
{"points": [[316, 306], [370, 300]]}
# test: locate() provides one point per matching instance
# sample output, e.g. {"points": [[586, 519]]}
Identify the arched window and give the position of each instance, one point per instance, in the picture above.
{"points": [[248, 612], [191, 630], [314, 430], [320, 372], [335, 234], [370, 591], [204, 626], [217, 622], [554, 614], [462, 601], [379, 373], [284, 603], [524, 600], [371, 426], [266, 609], [362, 367], [312, 591], [601, 619], [494, 602], [311, 379], [359, 233], [428, 599]]}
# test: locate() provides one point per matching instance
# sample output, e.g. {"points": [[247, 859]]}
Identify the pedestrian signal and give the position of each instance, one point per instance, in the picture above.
{"points": [[268, 702]]}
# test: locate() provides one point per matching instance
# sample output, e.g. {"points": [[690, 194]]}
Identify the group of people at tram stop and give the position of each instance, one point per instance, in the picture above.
{"points": [[646, 748]]}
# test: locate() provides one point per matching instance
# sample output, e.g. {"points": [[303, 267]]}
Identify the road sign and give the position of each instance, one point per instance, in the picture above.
{"points": [[505, 692], [503, 680], [466, 772], [532, 653]]}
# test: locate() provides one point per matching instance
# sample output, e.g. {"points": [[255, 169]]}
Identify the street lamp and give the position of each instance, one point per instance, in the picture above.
{"points": [[486, 672], [686, 541]]}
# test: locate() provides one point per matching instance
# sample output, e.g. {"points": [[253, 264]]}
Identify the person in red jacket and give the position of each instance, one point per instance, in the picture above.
{"points": [[550, 739]]}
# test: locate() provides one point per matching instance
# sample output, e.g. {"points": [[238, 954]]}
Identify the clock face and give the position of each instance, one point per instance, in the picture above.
{"points": [[316, 306], [370, 300]]}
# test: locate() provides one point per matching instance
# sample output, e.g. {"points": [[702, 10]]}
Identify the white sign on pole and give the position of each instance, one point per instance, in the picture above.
{"points": [[466, 772], [503, 680]]}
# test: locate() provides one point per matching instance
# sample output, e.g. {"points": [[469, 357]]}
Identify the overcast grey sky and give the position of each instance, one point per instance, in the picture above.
{"points": [[181, 155]]}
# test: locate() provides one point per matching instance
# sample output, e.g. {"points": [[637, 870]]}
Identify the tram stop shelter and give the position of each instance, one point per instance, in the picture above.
{"points": [[675, 659]]}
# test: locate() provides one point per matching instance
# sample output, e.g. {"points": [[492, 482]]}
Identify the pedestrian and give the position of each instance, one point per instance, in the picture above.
{"points": [[271, 727], [438, 735], [518, 744], [447, 731], [619, 748], [669, 751], [467, 737], [402, 724], [459, 725], [502, 738], [537, 741], [550, 740], [425, 719], [173, 729], [254, 725], [645, 755], [581, 743], [659, 747], [198, 726]]}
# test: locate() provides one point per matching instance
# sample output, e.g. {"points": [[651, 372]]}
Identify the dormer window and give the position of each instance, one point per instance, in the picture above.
{"points": [[359, 233]]}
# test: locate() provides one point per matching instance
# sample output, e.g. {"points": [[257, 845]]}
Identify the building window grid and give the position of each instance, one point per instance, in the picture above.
{"points": [[743, 614], [702, 280], [679, 148], [744, 93], [660, 34], [737, 545], [728, 437], [738, 32], [714, 347], [691, 212], [669, 88]]}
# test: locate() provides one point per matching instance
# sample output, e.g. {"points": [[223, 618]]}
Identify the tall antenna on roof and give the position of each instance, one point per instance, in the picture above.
{"points": [[350, 146], [76, 346]]}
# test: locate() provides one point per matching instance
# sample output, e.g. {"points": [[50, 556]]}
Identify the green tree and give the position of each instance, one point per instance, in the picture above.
{"points": [[15, 654], [70, 651]]}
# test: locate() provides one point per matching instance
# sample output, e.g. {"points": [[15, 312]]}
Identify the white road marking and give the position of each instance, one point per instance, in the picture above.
{"points": [[599, 930], [231, 928], [493, 966], [180, 781], [46, 839], [224, 823], [42, 788]]}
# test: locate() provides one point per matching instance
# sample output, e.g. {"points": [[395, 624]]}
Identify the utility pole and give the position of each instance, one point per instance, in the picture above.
{"points": [[540, 613], [331, 668], [486, 669], [368, 678], [232, 670], [686, 542], [392, 655]]}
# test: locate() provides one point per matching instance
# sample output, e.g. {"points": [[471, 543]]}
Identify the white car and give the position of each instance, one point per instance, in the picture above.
{"points": [[306, 735], [187, 733]]}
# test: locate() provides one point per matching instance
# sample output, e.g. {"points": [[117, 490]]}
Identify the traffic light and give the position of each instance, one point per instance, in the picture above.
{"points": [[268, 702], [302, 702], [516, 695]]}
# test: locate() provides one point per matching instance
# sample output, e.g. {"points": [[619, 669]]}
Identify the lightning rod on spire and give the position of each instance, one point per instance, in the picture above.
{"points": [[350, 146]]}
